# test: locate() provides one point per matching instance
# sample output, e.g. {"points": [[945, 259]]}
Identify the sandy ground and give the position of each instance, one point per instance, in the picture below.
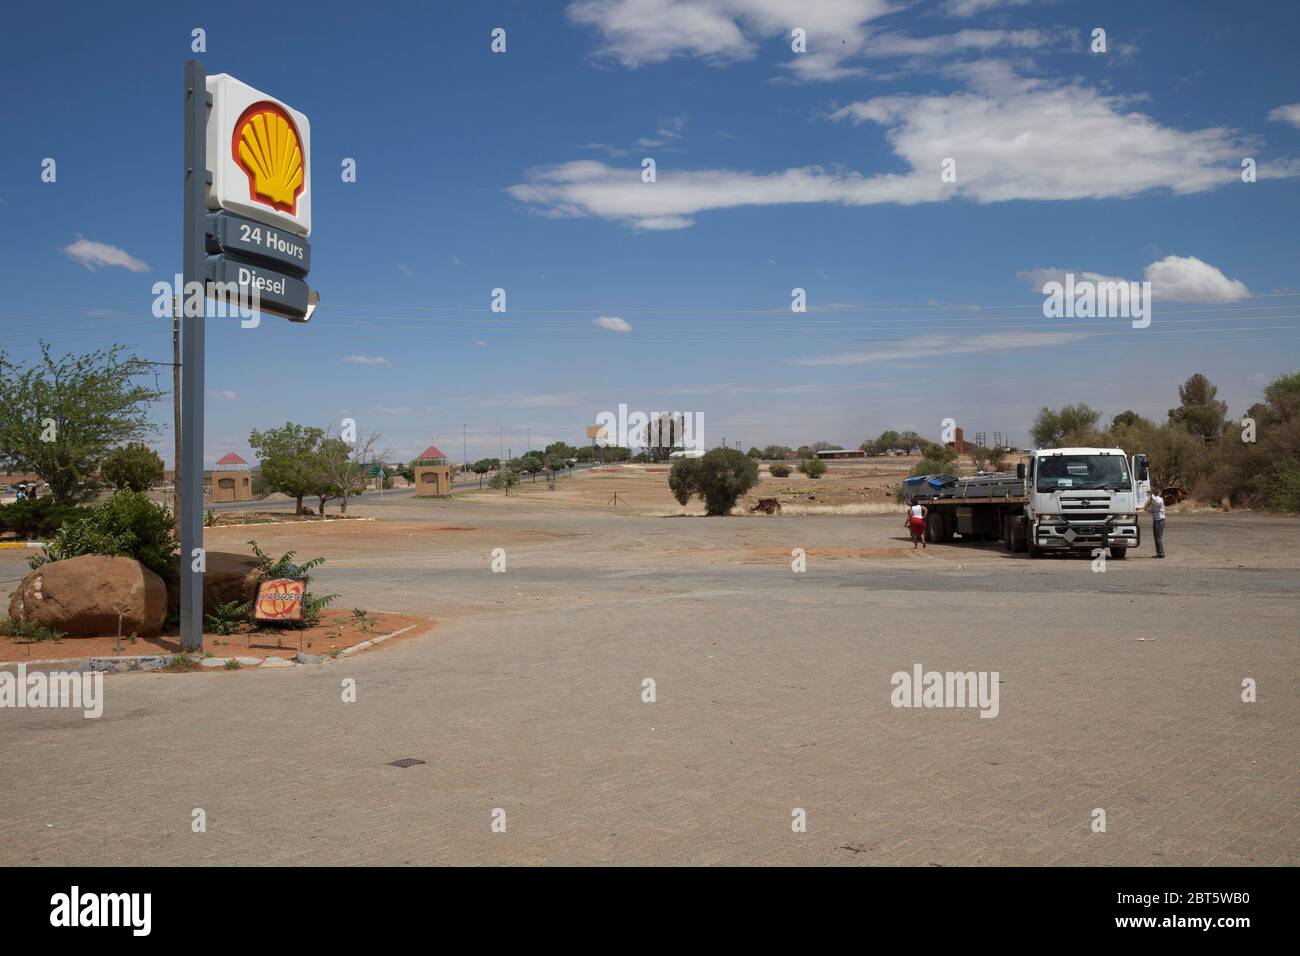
{"points": [[1120, 690]]}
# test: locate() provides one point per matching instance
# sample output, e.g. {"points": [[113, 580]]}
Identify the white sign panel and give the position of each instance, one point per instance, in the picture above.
{"points": [[259, 154]]}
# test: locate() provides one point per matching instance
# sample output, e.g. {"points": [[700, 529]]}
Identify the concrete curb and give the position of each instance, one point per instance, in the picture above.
{"points": [[356, 648], [156, 662]]}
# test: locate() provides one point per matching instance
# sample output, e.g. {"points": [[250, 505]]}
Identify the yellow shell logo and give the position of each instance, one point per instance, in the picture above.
{"points": [[267, 149]]}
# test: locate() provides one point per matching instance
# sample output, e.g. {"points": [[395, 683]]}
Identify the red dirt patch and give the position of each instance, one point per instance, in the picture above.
{"points": [[338, 630]]}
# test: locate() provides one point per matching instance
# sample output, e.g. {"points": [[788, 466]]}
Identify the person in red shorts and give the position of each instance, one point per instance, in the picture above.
{"points": [[916, 524]]}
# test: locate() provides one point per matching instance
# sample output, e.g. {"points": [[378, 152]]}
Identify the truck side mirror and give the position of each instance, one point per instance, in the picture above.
{"points": [[1020, 470], [1143, 468]]}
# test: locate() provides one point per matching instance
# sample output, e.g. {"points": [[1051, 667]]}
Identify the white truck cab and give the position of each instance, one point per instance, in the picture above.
{"points": [[1084, 498]]}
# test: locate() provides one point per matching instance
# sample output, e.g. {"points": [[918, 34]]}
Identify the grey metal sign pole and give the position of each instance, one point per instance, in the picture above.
{"points": [[192, 358]]}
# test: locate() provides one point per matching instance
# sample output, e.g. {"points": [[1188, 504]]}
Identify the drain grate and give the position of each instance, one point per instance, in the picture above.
{"points": [[406, 762]]}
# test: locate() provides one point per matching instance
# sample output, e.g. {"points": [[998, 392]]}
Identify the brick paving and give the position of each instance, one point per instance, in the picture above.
{"points": [[773, 692]]}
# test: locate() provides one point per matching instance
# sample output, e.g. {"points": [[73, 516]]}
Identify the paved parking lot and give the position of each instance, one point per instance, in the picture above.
{"points": [[1118, 692]]}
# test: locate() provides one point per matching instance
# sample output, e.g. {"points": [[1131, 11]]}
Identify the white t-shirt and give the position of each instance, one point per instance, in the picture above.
{"points": [[1157, 508], [915, 511]]}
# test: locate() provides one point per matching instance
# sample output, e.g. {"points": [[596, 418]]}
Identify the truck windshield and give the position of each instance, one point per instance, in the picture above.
{"points": [[1091, 472]]}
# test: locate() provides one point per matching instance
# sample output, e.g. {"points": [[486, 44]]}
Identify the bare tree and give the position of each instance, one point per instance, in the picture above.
{"points": [[342, 469]]}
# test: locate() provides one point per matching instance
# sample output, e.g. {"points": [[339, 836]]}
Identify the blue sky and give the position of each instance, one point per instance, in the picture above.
{"points": [[775, 170]]}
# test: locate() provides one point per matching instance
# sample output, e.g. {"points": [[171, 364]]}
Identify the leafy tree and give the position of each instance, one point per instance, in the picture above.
{"points": [[1125, 419], [720, 477], [287, 459], [531, 464], [775, 452], [481, 468], [553, 462], [339, 469], [585, 453], [133, 467], [909, 442], [504, 479], [1073, 425], [1199, 411], [62, 417], [888, 440], [561, 449], [754, 453], [778, 470], [812, 467]]}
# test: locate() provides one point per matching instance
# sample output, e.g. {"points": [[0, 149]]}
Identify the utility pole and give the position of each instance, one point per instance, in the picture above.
{"points": [[195, 252], [464, 448], [501, 441], [176, 410]]}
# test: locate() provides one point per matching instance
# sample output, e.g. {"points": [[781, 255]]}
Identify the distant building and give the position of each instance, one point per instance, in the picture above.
{"points": [[432, 474], [828, 454], [960, 445], [232, 480]]}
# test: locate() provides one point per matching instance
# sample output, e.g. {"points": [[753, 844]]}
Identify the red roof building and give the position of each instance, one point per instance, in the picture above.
{"points": [[231, 460], [431, 454]]}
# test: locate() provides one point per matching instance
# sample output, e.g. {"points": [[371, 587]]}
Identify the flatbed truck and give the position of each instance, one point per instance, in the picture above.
{"points": [[1060, 499]]}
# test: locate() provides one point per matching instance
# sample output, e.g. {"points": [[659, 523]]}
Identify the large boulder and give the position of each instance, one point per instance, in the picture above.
{"points": [[83, 596], [227, 576]]}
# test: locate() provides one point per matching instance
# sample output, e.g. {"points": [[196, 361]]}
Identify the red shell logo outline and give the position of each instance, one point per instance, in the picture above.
{"points": [[266, 145]]}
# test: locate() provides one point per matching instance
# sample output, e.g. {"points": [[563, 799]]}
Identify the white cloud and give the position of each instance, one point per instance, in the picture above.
{"points": [[365, 360], [640, 32], [613, 323], [405, 269], [225, 395], [1173, 278], [91, 254], [392, 409], [1286, 114], [932, 346], [968, 8], [1186, 277], [1011, 137]]}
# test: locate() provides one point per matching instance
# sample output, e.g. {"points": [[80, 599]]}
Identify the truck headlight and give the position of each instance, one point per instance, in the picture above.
{"points": [[1124, 519], [1049, 517]]}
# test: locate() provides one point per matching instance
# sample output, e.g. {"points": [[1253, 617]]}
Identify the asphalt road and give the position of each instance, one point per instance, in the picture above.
{"points": [[1118, 692]]}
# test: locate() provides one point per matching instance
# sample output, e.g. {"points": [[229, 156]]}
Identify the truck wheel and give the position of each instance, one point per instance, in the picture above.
{"points": [[934, 527], [1019, 534], [948, 521], [1007, 531], [1119, 554]]}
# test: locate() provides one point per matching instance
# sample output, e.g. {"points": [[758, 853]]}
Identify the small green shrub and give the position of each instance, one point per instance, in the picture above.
{"points": [[720, 477], [29, 631], [37, 518], [778, 471], [232, 664], [225, 617], [182, 662], [812, 467], [127, 524]]}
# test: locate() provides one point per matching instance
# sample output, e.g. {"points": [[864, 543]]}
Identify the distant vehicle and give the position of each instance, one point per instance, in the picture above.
{"points": [[688, 453], [1062, 499]]}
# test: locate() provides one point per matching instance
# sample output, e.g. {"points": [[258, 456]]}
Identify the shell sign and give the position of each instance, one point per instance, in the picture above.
{"points": [[259, 154]]}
